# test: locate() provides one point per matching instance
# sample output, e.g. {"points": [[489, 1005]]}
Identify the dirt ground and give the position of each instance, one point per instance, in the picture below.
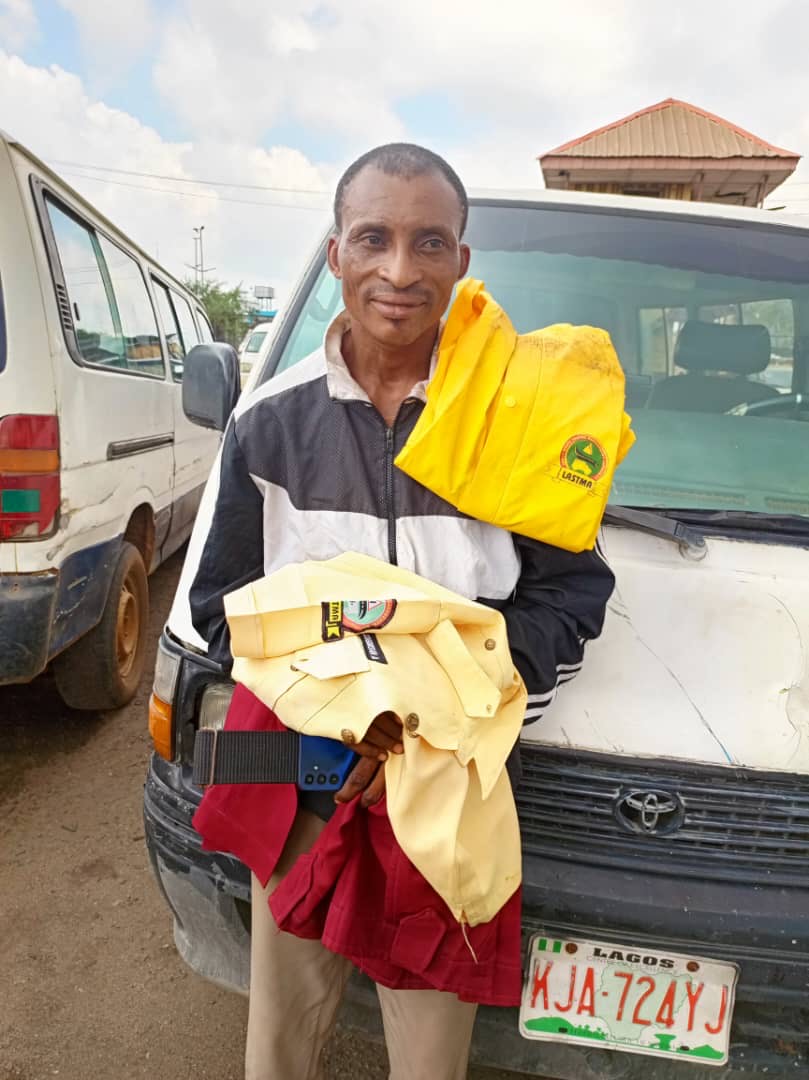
{"points": [[91, 985]]}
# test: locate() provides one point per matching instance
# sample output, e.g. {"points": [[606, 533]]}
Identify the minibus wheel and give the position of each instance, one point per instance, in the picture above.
{"points": [[102, 669]]}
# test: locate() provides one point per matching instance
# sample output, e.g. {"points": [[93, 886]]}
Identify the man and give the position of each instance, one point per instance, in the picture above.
{"points": [[307, 471]]}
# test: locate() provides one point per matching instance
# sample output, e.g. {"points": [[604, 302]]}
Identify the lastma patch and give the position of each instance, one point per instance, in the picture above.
{"points": [[583, 460], [355, 617]]}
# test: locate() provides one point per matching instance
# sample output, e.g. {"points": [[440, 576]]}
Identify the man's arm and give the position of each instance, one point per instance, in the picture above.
{"points": [[233, 554], [558, 606]]}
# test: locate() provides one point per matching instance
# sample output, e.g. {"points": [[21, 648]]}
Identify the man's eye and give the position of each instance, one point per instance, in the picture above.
{"points": [[372, 239], [434, 243]]}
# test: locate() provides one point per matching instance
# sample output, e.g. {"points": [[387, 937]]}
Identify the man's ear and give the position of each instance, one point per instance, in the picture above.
{"points": [[466, 255], [333, 255]]}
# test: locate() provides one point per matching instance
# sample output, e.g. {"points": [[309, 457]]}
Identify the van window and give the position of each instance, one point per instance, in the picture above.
{"points": [[205, 331], [255, 341], [138, 321], [659, 329], [171, 329], [98, 332], [113, 316], [187, 326], [324, 301]]}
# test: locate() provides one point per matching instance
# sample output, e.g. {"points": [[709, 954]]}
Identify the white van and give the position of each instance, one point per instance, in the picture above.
{"points": [[254, 348], [664, 802], [101, 473]]}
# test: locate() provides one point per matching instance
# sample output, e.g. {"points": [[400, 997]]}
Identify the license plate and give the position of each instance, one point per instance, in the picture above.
{"points": [[616, 997]]}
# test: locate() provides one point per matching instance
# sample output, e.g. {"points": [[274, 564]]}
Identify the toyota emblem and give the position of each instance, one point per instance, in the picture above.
{"points": [[650, 812]]}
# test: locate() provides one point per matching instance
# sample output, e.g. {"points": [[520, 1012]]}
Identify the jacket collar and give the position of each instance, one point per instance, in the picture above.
{"points": [[341, 383]]}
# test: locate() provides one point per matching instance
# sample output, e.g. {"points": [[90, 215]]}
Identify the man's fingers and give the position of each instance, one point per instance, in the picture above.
{"points": [[384, 736], [357, 780], [390, 725], [376, 789], [370, 750]]}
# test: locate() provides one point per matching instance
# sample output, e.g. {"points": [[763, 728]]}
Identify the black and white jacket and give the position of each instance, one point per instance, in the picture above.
{"points": [[306, 472]]}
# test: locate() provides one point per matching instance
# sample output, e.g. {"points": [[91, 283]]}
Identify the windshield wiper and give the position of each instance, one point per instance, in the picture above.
{"points": [[756, 524], [689, 540]]}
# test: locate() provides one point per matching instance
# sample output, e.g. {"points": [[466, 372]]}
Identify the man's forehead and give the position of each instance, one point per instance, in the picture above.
{"points": [[408, 201]]}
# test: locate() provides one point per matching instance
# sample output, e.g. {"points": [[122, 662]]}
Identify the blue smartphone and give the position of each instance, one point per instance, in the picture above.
{"points": [[323, 764]]}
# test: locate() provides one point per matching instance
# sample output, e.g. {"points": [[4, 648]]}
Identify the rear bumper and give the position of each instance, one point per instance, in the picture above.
{"points": [[209, 897], [43, 613], [27, 611]]}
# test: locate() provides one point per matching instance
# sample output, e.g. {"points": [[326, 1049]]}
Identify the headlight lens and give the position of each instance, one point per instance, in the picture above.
{"points": [[214, 706], [166, 673], [161, 720]]}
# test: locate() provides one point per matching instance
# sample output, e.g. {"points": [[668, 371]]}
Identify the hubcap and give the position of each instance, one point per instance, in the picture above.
{"points": [[128, 631]]}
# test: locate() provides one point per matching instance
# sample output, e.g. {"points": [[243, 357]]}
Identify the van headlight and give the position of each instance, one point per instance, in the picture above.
{"points": [[214, 706]]}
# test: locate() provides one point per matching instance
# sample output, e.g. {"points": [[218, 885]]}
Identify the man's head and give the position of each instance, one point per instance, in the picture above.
{"points": [[399, 212]]}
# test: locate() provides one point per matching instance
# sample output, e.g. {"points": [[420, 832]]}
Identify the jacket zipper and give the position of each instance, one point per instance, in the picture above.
{"points": [[389, 432]]}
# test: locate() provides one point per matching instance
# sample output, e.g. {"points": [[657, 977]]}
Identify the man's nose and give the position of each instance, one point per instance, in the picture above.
{"points": [[400, 269]]}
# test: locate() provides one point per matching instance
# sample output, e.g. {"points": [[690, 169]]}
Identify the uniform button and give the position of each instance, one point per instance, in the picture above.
{"points": [[509, 401], [348, 736], [411, 723], [490, 644]]}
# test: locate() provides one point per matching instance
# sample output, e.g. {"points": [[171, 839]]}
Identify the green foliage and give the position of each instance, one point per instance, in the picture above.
{"points": [[225, 308]]}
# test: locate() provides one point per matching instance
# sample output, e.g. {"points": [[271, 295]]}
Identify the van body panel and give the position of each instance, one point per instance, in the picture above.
{"points": [[725, 684], [26, 379]]}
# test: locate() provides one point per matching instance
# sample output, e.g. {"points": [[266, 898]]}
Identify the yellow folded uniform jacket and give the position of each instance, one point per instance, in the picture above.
{"points": [[315, 643], [523, 431]]}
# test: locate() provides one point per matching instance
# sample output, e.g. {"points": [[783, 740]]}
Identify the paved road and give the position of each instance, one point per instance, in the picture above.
{"points": [[92, 988]]}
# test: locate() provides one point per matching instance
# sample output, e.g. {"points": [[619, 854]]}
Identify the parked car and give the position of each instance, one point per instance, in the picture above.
{"points": [[255, 347], [664, 803], [101, 472]]}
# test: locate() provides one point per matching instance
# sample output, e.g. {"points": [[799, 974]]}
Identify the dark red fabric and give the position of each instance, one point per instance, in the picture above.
{"points": [[357, 891]]}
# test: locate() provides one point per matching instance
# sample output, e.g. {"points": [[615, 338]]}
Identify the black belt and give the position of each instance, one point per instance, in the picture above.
{"points": [[270, 757]]}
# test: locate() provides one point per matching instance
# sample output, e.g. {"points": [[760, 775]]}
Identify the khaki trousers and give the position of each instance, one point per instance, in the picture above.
{"points": [[295, 990]]}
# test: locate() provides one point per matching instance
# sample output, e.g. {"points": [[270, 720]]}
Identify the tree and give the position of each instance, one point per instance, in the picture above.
{"points": [[225, 308]]}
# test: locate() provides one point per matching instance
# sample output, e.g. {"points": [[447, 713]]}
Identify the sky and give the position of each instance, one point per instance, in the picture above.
{"points": [[239, 116]]}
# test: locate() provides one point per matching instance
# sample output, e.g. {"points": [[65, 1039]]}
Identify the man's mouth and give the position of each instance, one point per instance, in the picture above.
{"points": [[395, 307]]}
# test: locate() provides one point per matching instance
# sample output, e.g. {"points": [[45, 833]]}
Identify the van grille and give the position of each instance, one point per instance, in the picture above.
{"points": [[731, 822], [64, 307]]}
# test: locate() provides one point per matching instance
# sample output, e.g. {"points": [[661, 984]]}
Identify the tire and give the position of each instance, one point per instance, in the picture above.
{"points": [[102, 670]]}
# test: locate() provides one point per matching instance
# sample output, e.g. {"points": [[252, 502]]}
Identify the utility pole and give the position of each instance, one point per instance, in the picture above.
{"points": [[199, 261]]}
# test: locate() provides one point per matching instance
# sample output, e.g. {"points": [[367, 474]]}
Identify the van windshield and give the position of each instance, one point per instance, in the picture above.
{"points": [[255, 341], [710, 320]]}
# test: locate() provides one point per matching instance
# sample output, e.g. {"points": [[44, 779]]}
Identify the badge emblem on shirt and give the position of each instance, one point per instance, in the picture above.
{"points": [[355, 616], [583, 460]]}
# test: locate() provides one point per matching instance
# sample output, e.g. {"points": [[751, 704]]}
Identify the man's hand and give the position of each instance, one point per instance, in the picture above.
{"points": [[384, 736]]}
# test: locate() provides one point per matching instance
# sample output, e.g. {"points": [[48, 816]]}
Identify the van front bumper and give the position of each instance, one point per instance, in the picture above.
{"points": [[209, 895], [27, 611]]}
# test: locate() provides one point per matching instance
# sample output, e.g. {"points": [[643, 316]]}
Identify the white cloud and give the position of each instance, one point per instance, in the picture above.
{"points": [[112, 35], [18, 23], [50, 111], [522, 75]]}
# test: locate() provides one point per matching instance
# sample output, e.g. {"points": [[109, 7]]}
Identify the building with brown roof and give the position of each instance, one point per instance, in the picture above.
{"points": [[671, 150]]}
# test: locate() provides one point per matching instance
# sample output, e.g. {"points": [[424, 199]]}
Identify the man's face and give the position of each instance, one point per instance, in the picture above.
{"points": [[399, 253]]}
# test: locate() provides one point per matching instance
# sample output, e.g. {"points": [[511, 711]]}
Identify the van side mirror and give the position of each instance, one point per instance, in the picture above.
{"points": [[211, 384]]}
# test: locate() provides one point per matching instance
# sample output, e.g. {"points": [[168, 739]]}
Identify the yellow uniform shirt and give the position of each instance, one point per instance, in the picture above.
{"points": [[523, 431], [315, 643]]}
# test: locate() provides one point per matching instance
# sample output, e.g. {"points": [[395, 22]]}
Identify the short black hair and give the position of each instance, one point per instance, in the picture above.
{"points": [[400, 159]]}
